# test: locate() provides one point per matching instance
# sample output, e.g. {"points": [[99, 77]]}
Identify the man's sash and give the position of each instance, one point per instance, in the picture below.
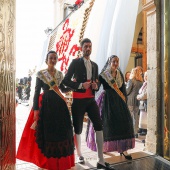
{"points": [[52, 83], [112, 83]]}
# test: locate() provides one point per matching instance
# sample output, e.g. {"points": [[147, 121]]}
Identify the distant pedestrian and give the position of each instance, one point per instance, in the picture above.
{"points": [[142, 97], [140, 70], [132, 88], [19, 91], [16, 102], [27, 91], [29, 79], [127, 75]]}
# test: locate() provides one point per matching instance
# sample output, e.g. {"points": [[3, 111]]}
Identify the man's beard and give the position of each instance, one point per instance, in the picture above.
{"points": [[87, 53]]}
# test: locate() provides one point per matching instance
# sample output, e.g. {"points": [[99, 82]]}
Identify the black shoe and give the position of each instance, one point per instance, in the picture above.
{"points": [[106, 167], [128, 157], [142, 134], [80, 160], [143, 141], [136, 135], [140, 130]]}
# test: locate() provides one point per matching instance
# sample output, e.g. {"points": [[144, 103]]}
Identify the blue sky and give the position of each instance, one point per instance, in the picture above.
{"points": [[32, 18]]}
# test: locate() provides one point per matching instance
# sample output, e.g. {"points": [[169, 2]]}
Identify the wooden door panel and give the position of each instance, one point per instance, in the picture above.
{"points": [[7, 85]]}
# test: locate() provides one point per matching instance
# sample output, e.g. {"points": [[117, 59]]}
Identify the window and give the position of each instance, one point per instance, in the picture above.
{"points": [[138, 60], [68, 8]]}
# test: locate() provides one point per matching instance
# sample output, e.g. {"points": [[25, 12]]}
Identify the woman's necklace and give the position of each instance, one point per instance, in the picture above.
{"points": [[114, 73], [52, 72]]}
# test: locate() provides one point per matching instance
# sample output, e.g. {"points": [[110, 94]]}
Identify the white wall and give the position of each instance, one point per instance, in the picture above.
{"points": [[131, 63]]}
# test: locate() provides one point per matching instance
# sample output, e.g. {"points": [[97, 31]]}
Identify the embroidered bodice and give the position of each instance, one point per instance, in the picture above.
{"points": [[41, 84], [58, 77], [106, 80]]}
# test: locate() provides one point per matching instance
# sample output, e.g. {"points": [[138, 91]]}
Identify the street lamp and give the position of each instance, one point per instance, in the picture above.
{"points": [[48, 30]]}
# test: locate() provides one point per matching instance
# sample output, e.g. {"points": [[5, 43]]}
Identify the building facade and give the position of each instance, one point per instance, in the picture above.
{"points": [[155, 59]]}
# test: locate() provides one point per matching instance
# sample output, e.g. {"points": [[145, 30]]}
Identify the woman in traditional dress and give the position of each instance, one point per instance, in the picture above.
{"points": [[117, 122], [47, 139]]}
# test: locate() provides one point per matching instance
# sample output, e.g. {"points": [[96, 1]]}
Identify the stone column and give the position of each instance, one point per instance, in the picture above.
{"points": [[7, 85], [154, 135], [144, 38], [166, 46]]}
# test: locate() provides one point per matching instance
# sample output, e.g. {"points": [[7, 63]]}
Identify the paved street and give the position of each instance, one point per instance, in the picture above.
{"points": [[22, 112]]}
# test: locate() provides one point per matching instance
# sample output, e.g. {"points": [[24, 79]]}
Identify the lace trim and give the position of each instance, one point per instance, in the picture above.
{"points": [[58, 76], [57, 149], [118, 79], [112, 83], [110, 146]]}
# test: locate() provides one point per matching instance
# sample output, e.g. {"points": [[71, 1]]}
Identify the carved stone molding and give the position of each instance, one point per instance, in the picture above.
{"points": [[149, 7], [60, 1]]}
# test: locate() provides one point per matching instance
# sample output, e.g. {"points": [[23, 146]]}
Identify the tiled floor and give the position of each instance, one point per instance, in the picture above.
{"points": [[22, 112]]}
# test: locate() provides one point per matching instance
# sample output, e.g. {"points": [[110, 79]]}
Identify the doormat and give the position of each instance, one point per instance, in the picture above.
{"points": [[152, 162]]}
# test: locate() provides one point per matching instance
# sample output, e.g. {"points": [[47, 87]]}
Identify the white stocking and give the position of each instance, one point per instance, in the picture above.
{"points": [[77, 141], [99, 143], [125, 152]]}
